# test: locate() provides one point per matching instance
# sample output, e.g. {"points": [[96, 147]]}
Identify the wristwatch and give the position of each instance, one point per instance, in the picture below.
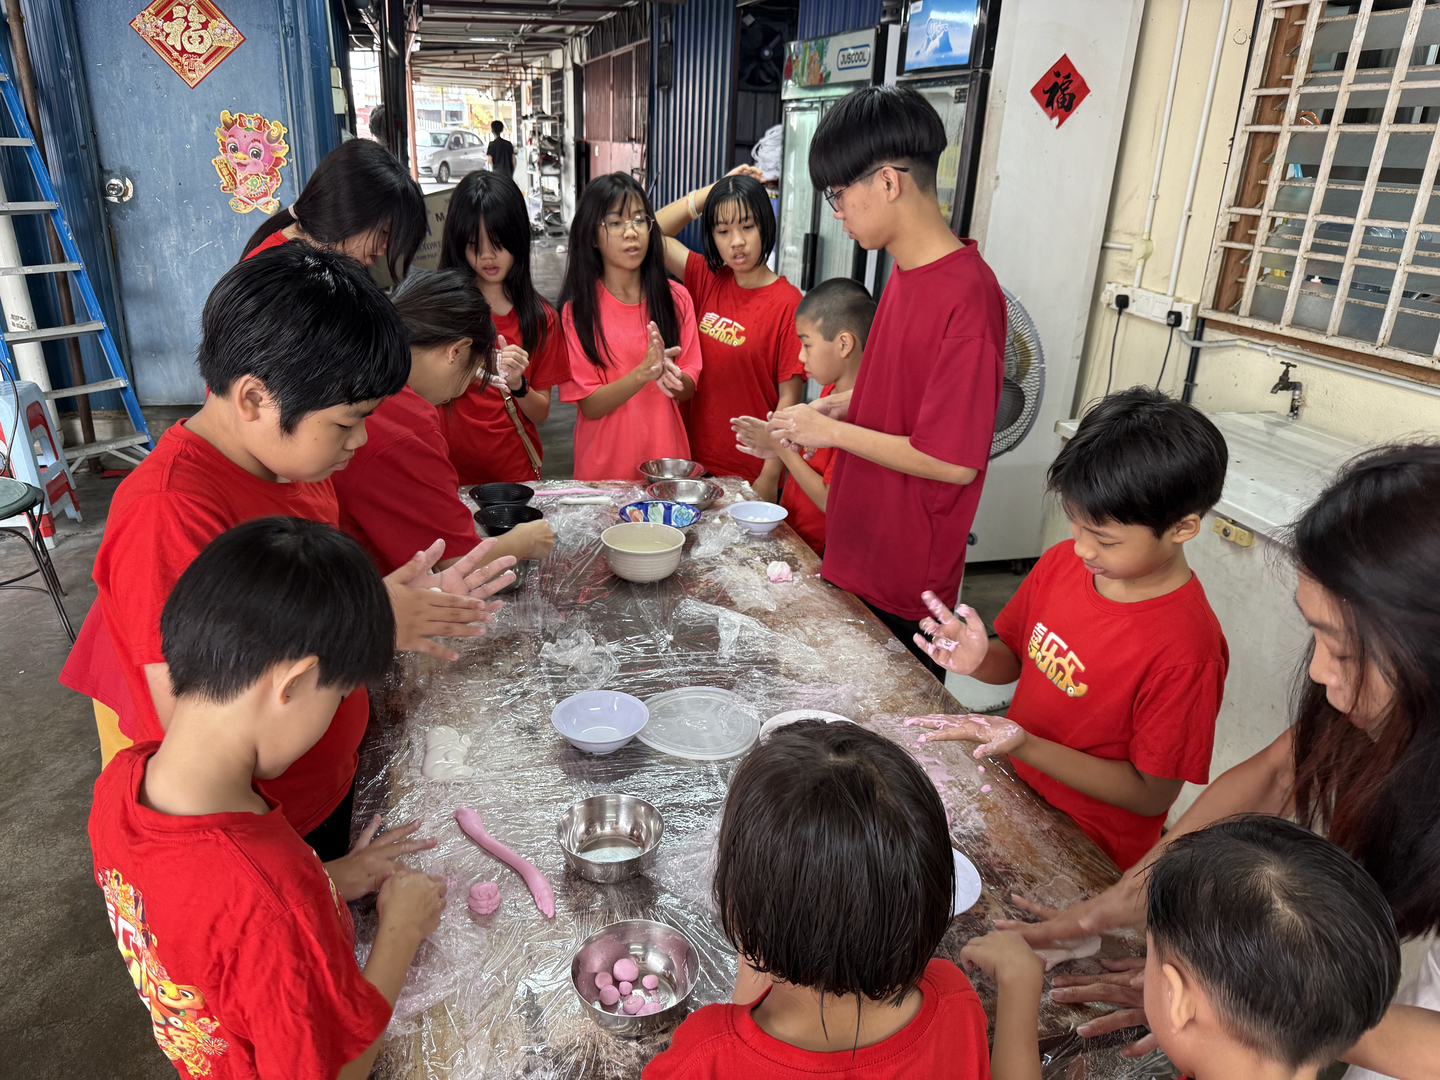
{"points": [[524, 388]]}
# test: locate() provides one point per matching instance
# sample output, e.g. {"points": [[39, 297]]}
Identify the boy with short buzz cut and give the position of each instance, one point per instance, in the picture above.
{"points": [[1121, 662], [832, 323], [913, 437], [236, 940], [297, 346]]}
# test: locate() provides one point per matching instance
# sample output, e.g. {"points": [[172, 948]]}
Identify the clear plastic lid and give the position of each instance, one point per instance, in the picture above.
{"points": [[701, 723]]}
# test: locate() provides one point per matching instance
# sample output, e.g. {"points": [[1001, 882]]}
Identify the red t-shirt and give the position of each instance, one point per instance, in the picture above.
{"points": [[183, 495], [933, 364], [483, 443], [234, 937], [806, 518], [946, 1038], [1137, 682], [648, 425], [747, 337], [399, 494]]}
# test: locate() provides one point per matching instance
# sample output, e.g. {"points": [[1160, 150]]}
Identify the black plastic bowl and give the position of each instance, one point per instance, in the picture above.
{"points": [[490, 494], [499, 519]]}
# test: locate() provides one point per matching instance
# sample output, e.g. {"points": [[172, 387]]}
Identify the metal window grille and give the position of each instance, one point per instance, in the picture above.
{"points": [[1327, 231]]}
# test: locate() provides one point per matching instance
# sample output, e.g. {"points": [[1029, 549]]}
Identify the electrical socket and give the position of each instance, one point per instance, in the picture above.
{"points": [[1157, 307]]}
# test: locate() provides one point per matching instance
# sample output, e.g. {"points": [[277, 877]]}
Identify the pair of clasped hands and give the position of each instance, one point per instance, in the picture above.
{"points": [[511, 362], [957, 641], [658, 365], [801, 428]]}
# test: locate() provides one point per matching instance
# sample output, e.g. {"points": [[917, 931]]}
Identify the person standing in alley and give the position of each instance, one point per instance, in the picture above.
{"points": [[501, 151]]}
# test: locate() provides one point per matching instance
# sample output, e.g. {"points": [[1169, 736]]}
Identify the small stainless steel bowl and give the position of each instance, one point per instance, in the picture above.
{"points": [[669, 468], [608, 838], [700, 494], [658, 950]]}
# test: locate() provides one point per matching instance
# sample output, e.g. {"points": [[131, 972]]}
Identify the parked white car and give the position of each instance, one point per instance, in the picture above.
{"points": [[458, 152]]}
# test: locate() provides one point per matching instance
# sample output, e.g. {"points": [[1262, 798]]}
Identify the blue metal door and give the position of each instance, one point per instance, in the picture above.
{"points": [[175, 229]]}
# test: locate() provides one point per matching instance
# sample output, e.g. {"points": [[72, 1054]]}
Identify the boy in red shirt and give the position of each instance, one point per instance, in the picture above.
{"points": [[235, 938], [913, 438], [401, 490], [1121, 663], [832, 322], [297, 347], [851, 987]]}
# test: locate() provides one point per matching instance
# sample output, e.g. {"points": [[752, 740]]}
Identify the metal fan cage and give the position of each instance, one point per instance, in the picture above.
{"points": [[1024, 382]]}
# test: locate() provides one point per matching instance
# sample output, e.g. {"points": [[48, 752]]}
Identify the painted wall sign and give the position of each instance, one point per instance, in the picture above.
{"points": [[252, 153], [193, 38], [840, 58], [1060, 90]]}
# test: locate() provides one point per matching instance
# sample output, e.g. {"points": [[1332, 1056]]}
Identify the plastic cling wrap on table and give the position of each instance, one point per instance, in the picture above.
{"points": [[490, 995]]}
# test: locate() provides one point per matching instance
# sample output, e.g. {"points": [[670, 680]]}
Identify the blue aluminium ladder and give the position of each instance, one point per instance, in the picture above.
{"points": [[130, 447]]}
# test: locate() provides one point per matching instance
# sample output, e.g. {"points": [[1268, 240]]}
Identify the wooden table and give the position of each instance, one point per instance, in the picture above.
{"points": [[491, 996]]}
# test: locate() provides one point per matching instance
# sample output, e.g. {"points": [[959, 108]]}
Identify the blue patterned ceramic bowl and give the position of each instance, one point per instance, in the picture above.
{"points": [[678, 515]]}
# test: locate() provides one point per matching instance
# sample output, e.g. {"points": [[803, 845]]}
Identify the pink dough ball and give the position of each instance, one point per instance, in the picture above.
{"points": [[626, 970], [633, 1004], [624, 988], [484, 897], [984, 787], [650, 982], [603, 978], [649, 1008], [609, 995]]}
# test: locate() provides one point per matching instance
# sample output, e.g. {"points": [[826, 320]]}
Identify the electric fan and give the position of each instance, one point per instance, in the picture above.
{"points": [[1024, 382]]}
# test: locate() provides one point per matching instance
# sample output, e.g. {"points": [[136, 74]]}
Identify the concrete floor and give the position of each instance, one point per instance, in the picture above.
{"points": [[67, 1008]]}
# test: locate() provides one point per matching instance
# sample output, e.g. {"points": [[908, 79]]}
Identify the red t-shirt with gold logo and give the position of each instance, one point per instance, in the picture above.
{"points": [[1137, 682], [747, 338]]}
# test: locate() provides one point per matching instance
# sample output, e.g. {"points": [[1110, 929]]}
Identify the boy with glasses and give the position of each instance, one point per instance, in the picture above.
{"points": [[913, 437]]}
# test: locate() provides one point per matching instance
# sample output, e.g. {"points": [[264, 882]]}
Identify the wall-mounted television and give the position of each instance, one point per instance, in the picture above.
{"points": [[938, 34]]}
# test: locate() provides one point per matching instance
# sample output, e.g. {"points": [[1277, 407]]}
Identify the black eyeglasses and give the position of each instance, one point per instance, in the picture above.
{"points": [[831, 194]]}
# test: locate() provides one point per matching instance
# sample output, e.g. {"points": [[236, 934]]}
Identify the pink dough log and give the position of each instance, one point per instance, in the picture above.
{"points": [[650, 982], [609, 995], [626, 970], [633, 1004], [484, 897], [604, 978], [624, 988], [539, 887]]}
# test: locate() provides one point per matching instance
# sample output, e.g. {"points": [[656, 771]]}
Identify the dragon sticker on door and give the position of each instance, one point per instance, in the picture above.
{"points": [[252, 153]]}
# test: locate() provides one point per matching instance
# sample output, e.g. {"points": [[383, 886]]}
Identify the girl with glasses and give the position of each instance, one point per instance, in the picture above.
{"points": [[631, 335]]}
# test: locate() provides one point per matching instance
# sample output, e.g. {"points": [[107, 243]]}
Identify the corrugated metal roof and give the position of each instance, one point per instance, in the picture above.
{"points": [[691, 128], [821, 17]]}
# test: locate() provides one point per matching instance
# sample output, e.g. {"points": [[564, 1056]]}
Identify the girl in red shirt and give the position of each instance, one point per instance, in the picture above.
{"points": [[491, 428], [746, 316], [630, 332], [842, 825], [361, 202]]}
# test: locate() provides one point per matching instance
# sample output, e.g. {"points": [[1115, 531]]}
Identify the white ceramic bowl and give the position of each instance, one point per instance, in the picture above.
{"points": [[599, 721], [642, 550], [758, 518]]}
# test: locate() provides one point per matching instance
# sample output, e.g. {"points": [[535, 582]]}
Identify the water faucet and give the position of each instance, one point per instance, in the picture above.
{"points": [[1285, 383]]}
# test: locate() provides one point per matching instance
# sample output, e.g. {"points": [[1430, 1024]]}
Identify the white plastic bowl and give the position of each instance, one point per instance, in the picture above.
{"points": [[758, 518], [642, 550], [599, 721]]}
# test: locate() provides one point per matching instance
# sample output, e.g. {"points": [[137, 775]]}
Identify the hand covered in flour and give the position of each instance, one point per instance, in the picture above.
{"points": [[835, 406], [995, 734], [1122, 984], [410, 902], [957, 646], [511, 362], [802, 425], [447, 603], [1007, 958], [371, 861], [751, 437], [672, 379]]}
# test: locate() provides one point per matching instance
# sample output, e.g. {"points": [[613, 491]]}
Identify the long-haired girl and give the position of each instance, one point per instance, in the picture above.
{"points": [[631, 335], [746, 316], [491, 429], [361, 202]]}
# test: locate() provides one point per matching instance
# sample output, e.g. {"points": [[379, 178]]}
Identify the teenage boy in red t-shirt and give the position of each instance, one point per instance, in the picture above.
{"points": [[914, 436], [400, 490], [297, 347], [832, 322], [1120, 661], [236, 940]]}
